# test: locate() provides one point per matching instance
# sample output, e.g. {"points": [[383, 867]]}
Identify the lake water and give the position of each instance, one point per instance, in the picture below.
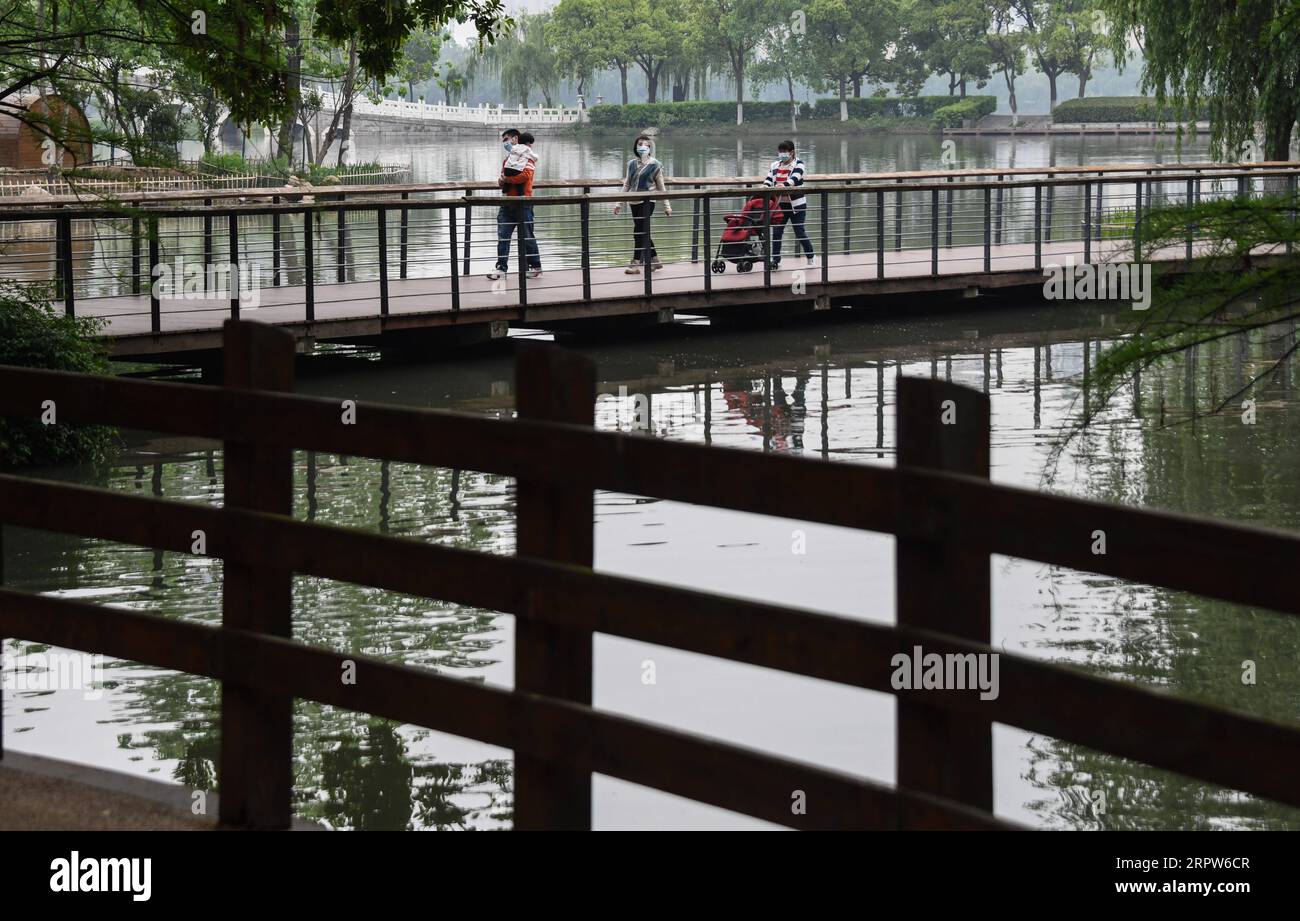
{"points": [[825, 390]]}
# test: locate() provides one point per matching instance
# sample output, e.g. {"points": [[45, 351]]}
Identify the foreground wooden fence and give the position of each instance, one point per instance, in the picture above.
{"points": [[947, 516]]}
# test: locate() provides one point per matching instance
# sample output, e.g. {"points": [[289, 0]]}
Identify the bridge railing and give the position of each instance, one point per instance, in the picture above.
{"points": [[947, 517], [441, 240]]}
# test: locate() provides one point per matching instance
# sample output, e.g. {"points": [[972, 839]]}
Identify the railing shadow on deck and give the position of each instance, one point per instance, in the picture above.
{"points": [[947, 517]]}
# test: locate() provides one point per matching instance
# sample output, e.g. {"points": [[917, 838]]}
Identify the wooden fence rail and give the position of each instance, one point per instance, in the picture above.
{"points": [[938, 502]]}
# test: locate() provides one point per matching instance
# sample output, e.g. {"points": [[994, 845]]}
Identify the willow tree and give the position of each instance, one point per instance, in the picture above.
{"points": [[1236, 61]]}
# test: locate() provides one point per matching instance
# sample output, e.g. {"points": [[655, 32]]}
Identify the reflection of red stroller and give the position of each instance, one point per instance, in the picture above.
{"points": [[742, 241]]}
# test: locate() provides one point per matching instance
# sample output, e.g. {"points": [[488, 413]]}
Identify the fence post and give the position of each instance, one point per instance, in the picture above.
{"points": [[553, 523], [256, 776], [452, 262], [943, 586]]}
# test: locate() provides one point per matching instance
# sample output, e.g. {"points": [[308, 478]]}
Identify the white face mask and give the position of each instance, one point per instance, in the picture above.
{"points": [[643, 150], [783, 156]]}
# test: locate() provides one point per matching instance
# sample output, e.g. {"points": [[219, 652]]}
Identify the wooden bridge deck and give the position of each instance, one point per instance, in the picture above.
{"points": [[352, 309]]}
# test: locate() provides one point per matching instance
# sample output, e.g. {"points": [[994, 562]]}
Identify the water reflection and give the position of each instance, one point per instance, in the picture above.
{"points": [[823, 390]]}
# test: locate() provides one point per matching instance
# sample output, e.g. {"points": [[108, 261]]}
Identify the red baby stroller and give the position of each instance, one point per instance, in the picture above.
{"points": [[742, 241]]}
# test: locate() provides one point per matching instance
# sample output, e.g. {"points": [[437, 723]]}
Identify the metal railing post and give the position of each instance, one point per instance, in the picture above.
{"points": [[880, 233], [155, 307], [233, 267], [695, 227], [1038, 228], [405, 236], [309, 265], [584, 209], [468, 227], [934, 231], [275, 244], [767, 240], [988, 235], [382, 221], [452, 262], [67, 284]]}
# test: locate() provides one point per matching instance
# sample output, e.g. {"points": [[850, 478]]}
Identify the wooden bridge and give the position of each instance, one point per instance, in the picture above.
{"points": [[407, 265], [938, 502]]}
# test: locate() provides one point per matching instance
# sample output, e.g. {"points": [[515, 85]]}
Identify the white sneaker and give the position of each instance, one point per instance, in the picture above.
{"points": [[495, 274], [811, 260], [534, 273]]}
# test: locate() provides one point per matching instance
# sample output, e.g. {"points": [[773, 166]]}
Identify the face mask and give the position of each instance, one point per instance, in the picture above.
{"points": [[508, 145], [643, 150], [784, 156]]}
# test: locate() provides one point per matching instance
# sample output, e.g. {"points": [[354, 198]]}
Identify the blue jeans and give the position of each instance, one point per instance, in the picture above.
{"points": [[507, 227], [795, 217]]}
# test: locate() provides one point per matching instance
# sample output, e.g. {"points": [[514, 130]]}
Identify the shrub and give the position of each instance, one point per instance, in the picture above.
{"points": [[1124, 109], [873, 109], [952, 116], [34, 335]]}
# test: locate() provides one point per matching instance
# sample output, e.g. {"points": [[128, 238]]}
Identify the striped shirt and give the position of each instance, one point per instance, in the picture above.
{"points": [[787, 172]]}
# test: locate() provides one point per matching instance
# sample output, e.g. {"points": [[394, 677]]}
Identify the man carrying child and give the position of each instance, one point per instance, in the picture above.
{"points": [[516, 180]]}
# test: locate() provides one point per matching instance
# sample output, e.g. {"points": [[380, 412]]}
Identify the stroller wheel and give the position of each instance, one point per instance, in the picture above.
{"points": [[719, 266], [744, 265]]}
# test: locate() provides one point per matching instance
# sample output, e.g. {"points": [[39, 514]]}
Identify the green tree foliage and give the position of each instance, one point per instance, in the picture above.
{"points": [[850, 41], [950, 35], [34, 335], [1231, 290], [729, 32], [1006, 41], [523, 60], [1237, 59]]}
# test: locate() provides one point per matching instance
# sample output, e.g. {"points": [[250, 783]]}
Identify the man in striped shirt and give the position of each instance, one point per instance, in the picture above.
{"points": [[788, 172]]}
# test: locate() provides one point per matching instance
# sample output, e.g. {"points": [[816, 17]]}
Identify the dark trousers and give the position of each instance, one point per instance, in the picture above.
{"points": [[643, 248], [508, 227], [795, 218]]}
